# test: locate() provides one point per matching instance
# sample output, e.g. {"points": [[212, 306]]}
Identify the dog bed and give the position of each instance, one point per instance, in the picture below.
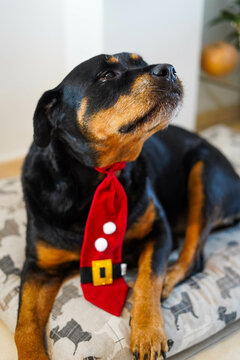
{"points": [[198, 308]]}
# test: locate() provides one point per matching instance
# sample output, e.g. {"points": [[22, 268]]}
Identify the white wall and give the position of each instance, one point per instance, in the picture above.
{"points": [[162, 32], [32, 60], [83, 30], [41, 41]]}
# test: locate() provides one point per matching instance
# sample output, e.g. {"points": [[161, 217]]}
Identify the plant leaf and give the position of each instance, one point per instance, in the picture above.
{"points": [[228, 15], [232, 35]]}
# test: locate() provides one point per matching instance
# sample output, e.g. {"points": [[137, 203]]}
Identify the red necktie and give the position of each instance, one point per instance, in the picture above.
{"points": [[101, 255]]}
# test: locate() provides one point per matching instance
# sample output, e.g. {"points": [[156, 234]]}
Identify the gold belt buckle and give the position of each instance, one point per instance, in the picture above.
{"points": [[102, 272]]}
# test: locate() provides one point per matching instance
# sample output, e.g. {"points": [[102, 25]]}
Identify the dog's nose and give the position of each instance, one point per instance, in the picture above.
{"points": [[164, 71]]}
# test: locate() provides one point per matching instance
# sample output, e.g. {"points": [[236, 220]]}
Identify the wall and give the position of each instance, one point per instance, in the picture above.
{"points": [[43, 40], [162, 32], [32, 60], [83, 30]]}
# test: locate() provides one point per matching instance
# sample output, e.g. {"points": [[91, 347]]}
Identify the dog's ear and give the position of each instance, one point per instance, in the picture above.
{"points": [[42, 121]]}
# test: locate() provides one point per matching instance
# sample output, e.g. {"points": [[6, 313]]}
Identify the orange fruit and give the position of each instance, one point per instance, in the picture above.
{"points": [[219, 58]]}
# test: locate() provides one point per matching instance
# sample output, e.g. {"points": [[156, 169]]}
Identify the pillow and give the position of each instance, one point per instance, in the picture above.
{"points": [[198, 308]]}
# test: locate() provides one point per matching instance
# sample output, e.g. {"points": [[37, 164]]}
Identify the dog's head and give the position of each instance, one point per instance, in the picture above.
{"points": [[107, 107]]}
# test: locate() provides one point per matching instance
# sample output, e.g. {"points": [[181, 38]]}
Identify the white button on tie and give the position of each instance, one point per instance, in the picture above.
{"points": [[109, 228], [101, 244], [123, 269]]}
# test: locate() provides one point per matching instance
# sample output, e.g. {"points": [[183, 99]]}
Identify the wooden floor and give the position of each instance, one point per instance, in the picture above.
{"points": [[10, 168], [229, 116]]}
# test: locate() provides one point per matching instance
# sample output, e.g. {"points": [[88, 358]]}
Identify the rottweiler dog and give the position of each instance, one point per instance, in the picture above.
{"points": [[102, 113]]}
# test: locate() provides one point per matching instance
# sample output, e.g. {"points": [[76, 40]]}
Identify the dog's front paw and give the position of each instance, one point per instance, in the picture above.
{"points": [[148, 337]]}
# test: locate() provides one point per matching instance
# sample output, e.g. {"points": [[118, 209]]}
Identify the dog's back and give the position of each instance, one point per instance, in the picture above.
{"points": [[170, 156]]}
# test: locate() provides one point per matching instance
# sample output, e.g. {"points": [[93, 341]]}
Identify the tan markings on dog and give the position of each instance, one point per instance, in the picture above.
{"points": [[38, 294], [135, 57], [118, 147], [103, 126], [143, 226], [81, 112], [195, 223], [49, 257], [127, 108], [147, 325], [112, 59]]}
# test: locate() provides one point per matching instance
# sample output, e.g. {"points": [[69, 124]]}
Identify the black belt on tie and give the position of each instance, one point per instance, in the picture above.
{"points": [[87, 275]]}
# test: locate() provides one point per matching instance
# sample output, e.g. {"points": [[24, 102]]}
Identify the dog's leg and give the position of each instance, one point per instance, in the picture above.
{"points": [[38, 291], [148, 338], [196, 233], [42, 276]]}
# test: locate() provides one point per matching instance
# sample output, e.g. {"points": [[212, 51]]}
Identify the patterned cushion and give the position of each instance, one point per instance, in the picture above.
{"points": [[198, 308]]}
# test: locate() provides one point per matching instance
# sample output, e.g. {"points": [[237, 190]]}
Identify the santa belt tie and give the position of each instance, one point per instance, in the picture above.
{"points": [[101, 265], [102, 272]]}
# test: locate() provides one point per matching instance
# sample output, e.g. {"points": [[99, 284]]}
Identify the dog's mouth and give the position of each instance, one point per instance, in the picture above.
{"points": [[133, 125], [162, 110]]}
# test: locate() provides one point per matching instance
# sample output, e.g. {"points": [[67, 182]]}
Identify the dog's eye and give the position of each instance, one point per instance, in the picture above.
{"points": [[107, 75]]}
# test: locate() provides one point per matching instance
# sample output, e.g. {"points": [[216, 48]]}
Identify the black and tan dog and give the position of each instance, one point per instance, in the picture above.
{"points": [[100, 114]]}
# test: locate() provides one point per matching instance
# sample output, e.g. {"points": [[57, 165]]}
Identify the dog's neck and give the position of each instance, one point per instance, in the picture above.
{"points": [[81, 174], [63, 161]]}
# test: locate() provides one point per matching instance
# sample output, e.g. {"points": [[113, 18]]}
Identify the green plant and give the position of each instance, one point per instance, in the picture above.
{"points": [[232, 16]]}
